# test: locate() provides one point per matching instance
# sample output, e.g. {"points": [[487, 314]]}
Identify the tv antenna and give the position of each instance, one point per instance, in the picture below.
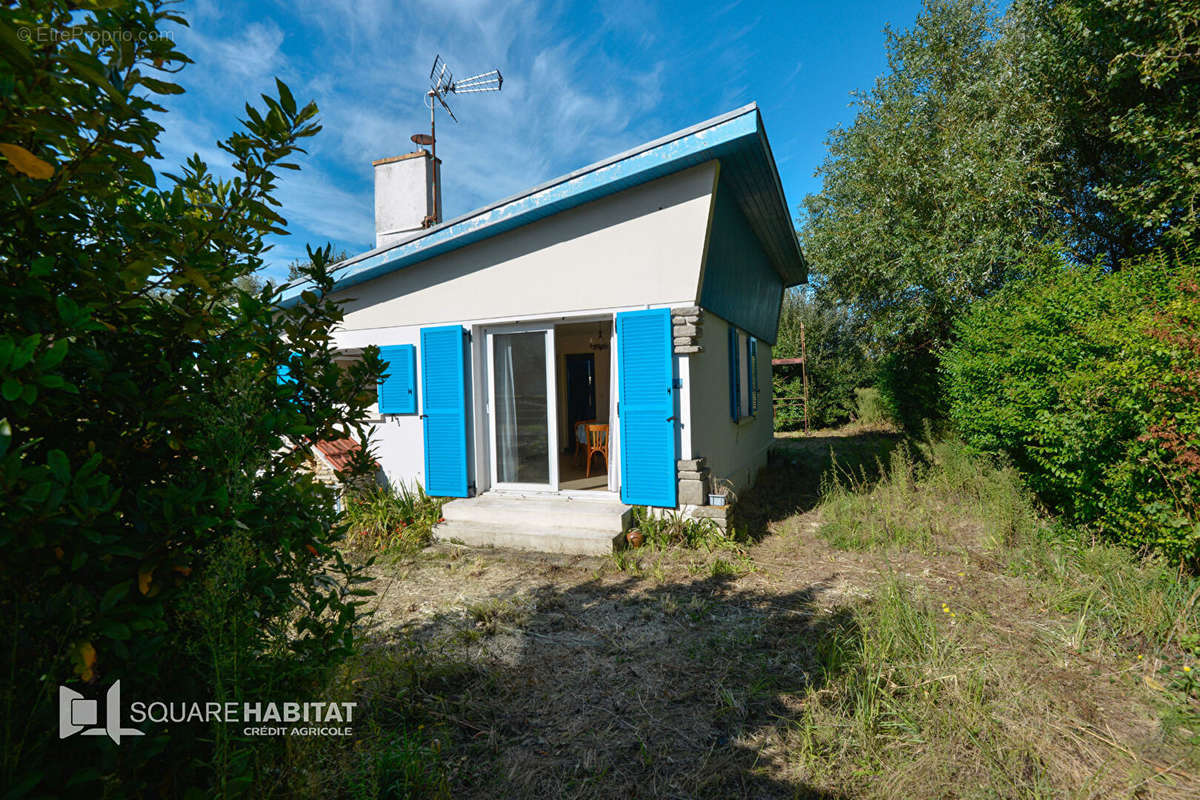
{"points": [[441, 85]]}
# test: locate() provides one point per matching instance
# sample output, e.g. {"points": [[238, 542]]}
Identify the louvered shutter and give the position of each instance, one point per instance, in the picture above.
{"points": [[646, 389], [398, 391], [444, 393]]}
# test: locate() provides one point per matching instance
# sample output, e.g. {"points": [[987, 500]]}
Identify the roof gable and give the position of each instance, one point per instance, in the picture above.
{"points": [[737, 139]]}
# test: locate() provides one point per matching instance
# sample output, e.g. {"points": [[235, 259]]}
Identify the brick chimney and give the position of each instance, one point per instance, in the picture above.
{"points": [[407, 194]]}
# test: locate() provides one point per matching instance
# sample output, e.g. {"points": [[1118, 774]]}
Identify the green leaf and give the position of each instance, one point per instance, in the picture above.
{"points": [[114, 595], [11, 389], [59, 465], [54, 354], [285, 97], [161, 87]]}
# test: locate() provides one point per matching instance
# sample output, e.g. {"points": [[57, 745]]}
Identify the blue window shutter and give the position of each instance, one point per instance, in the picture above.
{"points": [[752, 372], [444, 393], [646, 389], [398, 391], [283, 372], [735, 377]]}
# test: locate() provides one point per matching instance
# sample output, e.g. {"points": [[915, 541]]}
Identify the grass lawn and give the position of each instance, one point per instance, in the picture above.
{"points": [[897, 622]]}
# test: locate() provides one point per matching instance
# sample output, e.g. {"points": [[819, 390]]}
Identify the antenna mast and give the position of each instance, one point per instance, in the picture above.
{"points": [[441, 84]]}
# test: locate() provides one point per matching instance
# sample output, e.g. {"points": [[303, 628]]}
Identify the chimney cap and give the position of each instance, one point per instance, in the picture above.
{"points": [[421, 138], [380, 162]]}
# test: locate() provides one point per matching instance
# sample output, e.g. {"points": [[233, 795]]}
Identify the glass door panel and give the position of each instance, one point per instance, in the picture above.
{"points": [[521, 413]]}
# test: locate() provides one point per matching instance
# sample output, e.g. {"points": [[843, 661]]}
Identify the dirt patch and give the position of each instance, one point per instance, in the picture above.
{"points": [[590, 683]]}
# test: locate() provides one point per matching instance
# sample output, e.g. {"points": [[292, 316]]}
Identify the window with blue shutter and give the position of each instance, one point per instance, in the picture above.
{"points": [[398, 391], [735, 377]]}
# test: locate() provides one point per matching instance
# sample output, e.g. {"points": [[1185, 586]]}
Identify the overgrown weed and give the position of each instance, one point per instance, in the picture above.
{"points": [[393, 518]]}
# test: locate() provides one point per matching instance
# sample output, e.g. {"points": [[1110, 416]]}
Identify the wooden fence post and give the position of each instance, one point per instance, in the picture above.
{"points": [[804, 375]]}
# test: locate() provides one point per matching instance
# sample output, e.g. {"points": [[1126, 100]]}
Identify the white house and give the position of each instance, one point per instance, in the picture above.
{"points": [[636, 299]]}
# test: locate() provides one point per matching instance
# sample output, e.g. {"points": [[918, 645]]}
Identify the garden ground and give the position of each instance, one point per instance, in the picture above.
{"points": [[905, 631]]}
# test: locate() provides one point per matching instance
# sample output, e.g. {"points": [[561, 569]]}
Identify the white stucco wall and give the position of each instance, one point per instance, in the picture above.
{"points": [[640, 248], [637, 248], [735, 451]]}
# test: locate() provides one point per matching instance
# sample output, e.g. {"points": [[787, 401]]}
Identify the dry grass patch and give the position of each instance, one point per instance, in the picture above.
{"points": [[988, 654]]}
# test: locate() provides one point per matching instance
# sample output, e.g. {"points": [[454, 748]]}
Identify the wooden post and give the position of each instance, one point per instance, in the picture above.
{"points": [[804, 375]]}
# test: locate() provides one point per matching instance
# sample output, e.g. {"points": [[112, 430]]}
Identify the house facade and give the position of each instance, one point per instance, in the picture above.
{"points": [[600, 341]]}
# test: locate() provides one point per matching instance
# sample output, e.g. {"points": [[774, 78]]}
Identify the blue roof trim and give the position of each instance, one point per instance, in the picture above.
{"points": [[737, 134]]}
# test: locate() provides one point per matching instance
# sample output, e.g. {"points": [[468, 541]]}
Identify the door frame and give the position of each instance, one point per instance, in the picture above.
{"points": [[489, 333]]}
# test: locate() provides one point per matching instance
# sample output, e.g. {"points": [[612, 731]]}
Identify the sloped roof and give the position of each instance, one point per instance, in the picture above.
{"points": [[338, 453], [737, 138]]}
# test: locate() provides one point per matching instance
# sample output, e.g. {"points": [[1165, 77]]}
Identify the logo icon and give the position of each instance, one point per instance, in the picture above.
{"points": [[77, 714]]}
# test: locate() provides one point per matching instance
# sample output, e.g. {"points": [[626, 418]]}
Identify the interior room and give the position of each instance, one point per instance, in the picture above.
{"points": [[582, 360]]}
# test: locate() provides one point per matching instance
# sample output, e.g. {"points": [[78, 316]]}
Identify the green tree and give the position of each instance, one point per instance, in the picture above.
{"points": [[1123, 80], [298, 267], [154, 526], [936, 191], [836, 362]]}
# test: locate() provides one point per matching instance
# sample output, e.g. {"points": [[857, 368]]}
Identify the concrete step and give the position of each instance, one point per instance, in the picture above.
{"points": [[552, 511], [577, 541], [546, 523]]}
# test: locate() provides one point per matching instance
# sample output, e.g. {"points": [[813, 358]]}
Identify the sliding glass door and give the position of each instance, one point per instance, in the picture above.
{"points": [[521, 411]]}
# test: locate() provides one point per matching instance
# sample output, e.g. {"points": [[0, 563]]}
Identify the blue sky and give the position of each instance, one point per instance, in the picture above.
{"points": [[581, 82]]}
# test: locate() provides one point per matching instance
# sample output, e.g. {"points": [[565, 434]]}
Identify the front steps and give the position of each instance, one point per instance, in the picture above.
{"points": [[545, 523]]}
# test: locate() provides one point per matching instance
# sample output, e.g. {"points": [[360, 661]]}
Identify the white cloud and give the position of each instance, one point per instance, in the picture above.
{"points": [[567, 100]]}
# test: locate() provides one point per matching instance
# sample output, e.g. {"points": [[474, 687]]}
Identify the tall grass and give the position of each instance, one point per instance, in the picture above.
{"points": [[938, 497], [907, 693], [392, 517], [931, 495], [718, 552], [937, 695]]}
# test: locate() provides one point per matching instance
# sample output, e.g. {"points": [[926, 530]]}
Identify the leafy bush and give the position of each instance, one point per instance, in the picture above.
{"points": [[391, 517], [909, 388], [672, 529], [836, 364], [155, 527], [1089, 381], [869, 408]]}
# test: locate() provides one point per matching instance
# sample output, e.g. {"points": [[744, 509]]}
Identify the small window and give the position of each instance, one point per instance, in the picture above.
{"points": [[735, 376], [398, 389], [752, 374], [743, 375]]}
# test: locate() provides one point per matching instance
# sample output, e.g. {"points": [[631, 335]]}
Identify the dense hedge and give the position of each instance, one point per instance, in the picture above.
{"points": [[1089, 382]]}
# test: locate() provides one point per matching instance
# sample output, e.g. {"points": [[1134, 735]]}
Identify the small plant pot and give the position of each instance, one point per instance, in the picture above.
{"points": [[716, 499], [634, 537]]}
